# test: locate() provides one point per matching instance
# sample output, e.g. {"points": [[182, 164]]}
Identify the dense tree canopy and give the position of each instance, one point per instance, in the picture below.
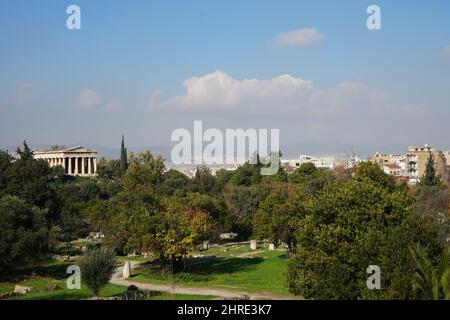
{"points": [[335, 223]]}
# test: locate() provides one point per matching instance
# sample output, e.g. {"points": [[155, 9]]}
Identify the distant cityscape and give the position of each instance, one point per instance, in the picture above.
{"points": [[408, 166]]}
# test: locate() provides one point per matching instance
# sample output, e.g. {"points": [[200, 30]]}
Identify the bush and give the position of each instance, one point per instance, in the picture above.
{"points": [[97, 267]]}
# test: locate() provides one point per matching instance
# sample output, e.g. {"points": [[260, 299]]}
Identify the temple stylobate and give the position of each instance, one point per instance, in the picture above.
{"points": [[76, 161]]}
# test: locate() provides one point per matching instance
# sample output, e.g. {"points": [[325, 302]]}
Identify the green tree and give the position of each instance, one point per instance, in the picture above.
{"points": [[174, 182], [371, 171], [145, 171], [242, 203], [25, 153], [430, 177], [123, 156], [352, 225], [278, 214], [181, 227], [97, 267], [313, 179], [32, 181], [203, 182], [246, 175], [432, 194], [24, 234], [5, 163]]}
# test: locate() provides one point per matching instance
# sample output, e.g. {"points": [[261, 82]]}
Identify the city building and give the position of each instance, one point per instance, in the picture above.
{"points": [[416, 161], [393, 169], [76, 161], [319, 162], [390, 162]]}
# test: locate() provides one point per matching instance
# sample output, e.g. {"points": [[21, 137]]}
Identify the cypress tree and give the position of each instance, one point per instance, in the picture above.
{"points": [[123, 156], [430, 177]]}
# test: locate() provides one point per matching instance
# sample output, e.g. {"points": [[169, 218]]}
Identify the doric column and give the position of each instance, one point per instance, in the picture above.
{"points": [[82, 166], [89, 166], [76, 165], [70, 165], [95, 165]]}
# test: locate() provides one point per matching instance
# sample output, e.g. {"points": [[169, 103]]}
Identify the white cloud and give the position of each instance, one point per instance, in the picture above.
{"points": [[112, 105], [301, 37], [351, 111], [88, 100], [218, 91]]}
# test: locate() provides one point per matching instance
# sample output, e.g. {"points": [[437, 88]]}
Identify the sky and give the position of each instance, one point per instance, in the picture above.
{"points": [[311, 69]]}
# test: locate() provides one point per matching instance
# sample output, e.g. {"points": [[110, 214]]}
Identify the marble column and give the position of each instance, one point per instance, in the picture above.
{"points": [[95, 165], [82, 166], [89, 166], [76, 165], [70, 165]]}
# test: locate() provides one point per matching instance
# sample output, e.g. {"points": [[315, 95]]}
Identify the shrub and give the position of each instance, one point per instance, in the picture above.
{"points": [[97, 267]]}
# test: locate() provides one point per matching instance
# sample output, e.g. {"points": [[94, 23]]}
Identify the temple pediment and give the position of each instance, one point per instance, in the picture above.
{"points": [[75, 160]]}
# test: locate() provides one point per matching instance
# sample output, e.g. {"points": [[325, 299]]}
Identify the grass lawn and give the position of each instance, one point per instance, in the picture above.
{"points": [[48, 280], [234, 269]]}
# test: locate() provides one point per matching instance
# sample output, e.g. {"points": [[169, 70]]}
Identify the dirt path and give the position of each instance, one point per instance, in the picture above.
{"points": [[221, 293]]}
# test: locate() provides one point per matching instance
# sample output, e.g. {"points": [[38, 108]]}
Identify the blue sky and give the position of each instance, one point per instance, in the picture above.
{"points": [[90, 85]]}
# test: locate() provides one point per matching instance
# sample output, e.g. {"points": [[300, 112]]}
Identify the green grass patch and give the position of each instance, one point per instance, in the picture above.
{"points": [[48, 280], [261, 272]]}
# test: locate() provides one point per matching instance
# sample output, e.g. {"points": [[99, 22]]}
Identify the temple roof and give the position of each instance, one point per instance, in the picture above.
{"points": [[77, 149]]}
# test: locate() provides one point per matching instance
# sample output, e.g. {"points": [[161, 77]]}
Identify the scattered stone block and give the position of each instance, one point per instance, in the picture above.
{"points": [[253, 244], [271, 246], [22, 289], [228, 236]]}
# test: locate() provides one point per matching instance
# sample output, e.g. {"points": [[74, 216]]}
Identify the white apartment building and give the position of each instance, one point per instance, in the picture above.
{"points": [[319, 162]]}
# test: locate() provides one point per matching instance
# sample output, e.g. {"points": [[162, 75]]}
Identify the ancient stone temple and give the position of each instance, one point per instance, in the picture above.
{"points": [[76, 161]]}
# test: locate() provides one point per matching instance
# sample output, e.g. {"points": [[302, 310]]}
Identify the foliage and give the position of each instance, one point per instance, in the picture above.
{"points": [[371, 171], [97, 267], [180, 228], [431, 282], [312, 178], [174, 181], [24, 233], [430, 177], [353, 225], [204, 181], [246, 175], [109, 168], [335, 225], [123, 157], [242, 203], [144, 172], [30, 180], [278, 214]]}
